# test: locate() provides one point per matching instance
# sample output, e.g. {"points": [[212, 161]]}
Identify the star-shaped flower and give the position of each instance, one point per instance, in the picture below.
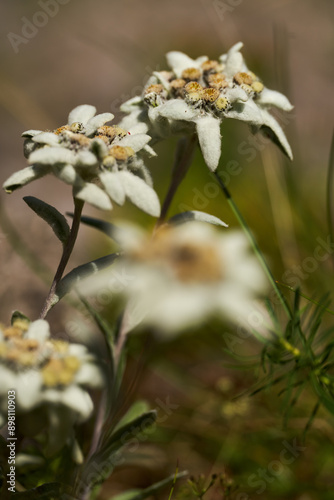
{"points": [[42, 370], [101, 162], [184, 275], [198, 94]]}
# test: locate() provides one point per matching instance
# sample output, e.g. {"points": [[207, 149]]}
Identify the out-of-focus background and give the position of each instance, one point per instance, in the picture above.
{"points": [[58, 54]]}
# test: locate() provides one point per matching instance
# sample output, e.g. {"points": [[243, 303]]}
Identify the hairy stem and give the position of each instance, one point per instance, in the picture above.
{"points": [[182, 162], [67, 251], [254, 245]]}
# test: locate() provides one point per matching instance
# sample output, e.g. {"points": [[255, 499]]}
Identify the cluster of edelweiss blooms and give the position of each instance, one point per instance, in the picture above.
{"points": [[184, 273]]}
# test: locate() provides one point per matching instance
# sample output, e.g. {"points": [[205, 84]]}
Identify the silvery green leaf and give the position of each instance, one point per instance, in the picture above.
{"points": [[94, 195], [107, 228], [141, 195], [114, 186], [48, 138], [97, 121], [136, 141], [195, 215], [74, 277], [273, 98], [24, 176], [208, 131], [51, 215], [81, 114], [52, 155]]}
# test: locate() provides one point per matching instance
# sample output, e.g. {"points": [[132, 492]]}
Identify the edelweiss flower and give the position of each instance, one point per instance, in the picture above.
{"points": [[184, 275], [101, 162], [199, 94], [45, 371]]}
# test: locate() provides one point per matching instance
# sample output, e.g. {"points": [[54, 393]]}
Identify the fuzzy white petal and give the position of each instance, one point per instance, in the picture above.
{"points": [[135, 141], [208, 131], [131, 104], [273, 98], [31, 133], [113, 185], [66, 173], [52, 155], [97, 121], [81, 114], [47, 138], [234, 60], [38, 330], [141, 195], [178, 62], [85, 158], [176, 109], [94, 195], [24, 176]]}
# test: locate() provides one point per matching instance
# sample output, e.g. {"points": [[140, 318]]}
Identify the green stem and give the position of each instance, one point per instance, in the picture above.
{"points": [[254, 244], [67, 251]]}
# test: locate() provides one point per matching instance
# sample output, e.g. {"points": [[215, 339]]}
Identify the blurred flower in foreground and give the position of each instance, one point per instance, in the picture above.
{"points": [[45, 371], [101, 162], [197, 95], [184, 275]]}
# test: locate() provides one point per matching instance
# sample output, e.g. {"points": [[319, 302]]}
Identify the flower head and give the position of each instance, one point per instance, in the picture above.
{"points": [[184, 275], [100, 161], [45, 371], [198, 94]]}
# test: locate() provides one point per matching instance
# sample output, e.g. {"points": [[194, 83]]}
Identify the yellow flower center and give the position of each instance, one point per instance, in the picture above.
{"points": [[190, 262], [217, 81], [191, 74], [121, 153]]}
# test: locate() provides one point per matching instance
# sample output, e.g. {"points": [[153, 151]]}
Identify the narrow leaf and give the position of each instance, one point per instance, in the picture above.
{"points": [[105, 227], [195, 215], [45, 492], [50, 214], [79, 273]]}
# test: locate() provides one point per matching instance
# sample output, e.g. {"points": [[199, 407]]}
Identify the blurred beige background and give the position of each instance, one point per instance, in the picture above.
{"points": [[102, 52]]}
